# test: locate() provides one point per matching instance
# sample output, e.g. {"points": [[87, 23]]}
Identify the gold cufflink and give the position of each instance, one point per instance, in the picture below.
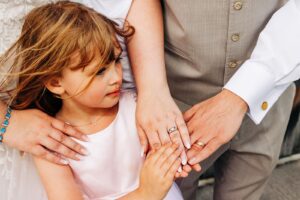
{"points": [[264, 105]]}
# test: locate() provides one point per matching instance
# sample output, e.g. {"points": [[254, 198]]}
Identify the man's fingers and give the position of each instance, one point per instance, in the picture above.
{"points": [[68, 130], [210, 148], [143, 140], [68, 142], [190, 113], [41, 152], [184, 133], [196, 167]]}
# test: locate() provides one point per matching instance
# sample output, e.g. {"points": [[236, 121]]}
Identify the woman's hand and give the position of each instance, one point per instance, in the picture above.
{"points": [[156, 114], [158, 172], [35, 132]]}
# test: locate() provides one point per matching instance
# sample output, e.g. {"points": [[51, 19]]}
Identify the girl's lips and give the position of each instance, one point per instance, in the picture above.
{"points": [[115, 93]]}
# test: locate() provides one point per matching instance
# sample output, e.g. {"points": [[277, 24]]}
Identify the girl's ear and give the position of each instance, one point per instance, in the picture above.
{"points": [[54, 86]]}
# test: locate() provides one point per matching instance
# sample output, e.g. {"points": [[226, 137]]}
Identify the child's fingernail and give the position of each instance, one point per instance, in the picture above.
{"points": [[188, 145], [79, 157], [184, 161], [85, 151], [64, 161], [85, 138]]}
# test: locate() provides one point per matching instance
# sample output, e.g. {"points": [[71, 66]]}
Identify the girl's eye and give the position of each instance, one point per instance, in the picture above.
{"points": [[101, 71]]}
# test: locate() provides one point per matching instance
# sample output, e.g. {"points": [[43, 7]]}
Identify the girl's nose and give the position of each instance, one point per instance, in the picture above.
{"points": [[116, 76]]}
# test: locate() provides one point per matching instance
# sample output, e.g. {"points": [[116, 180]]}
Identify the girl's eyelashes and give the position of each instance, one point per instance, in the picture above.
{"points": [[101, 71]]}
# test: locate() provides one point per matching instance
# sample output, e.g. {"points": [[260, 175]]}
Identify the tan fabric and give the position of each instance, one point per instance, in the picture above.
{"points": [[205, 43]]}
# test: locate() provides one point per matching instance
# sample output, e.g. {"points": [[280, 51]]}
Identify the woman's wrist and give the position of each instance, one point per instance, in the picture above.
{"points": [[4, 123]]}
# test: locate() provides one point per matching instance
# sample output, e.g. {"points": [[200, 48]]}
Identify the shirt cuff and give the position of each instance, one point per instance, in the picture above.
{"points": [[255, 85]]}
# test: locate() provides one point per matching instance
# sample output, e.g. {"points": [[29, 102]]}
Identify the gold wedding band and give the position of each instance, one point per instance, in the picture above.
{"points": [[200, 144]]}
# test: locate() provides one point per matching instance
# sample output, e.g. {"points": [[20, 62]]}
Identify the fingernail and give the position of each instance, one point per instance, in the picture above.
{"points": [[179, 169], [192, 161], [85, 138], [184, 161], [85, 151], [64, 161], [142, 152], [188, 145], [79, 157]]}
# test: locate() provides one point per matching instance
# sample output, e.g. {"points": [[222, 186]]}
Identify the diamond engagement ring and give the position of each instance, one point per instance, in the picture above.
{"points": [[172, 129]]}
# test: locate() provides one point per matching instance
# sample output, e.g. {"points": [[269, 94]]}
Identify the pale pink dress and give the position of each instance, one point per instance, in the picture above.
{"points": [[112, 169]]}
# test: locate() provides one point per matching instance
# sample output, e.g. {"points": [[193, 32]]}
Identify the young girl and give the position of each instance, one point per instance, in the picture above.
{"points": [[68, 64]]}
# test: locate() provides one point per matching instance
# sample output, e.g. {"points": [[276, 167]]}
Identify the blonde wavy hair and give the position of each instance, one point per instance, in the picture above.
{"points": [[51, 34]]}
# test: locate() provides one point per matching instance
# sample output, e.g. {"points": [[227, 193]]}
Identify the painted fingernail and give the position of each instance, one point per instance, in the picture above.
{"points": [[179, 169], [142, 152], [192, 161], [64, 161], [85, 151], [188, 145], [85, 138], [184, 161]]}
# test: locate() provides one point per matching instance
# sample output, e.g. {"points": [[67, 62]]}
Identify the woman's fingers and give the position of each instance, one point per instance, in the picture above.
{"points": [[175, 137], [68, 130], [183, 130], [68, 142], [59, 148], [41, 152]]}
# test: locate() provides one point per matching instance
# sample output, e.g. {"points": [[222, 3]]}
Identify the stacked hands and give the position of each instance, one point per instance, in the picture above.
{"points": [[198, 133]]}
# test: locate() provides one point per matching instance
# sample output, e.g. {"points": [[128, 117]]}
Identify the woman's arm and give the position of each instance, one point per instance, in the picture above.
{"points": [[156, 110], [32, 130], [58, 180]]}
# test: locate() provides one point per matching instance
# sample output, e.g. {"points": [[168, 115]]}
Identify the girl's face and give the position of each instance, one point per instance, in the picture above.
{"points": [[103, 90]]}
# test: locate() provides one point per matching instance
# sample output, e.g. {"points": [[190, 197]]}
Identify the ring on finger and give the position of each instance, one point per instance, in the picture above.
{"points": [[172, 129], [200, 144]]}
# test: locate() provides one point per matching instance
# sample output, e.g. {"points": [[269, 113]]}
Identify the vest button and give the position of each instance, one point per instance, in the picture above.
{"points": [[235, 37], [232, 64], [238, 5]]}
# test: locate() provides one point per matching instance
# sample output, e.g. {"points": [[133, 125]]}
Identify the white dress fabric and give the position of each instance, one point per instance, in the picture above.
{"points": [[18, 176], [113, 167]]}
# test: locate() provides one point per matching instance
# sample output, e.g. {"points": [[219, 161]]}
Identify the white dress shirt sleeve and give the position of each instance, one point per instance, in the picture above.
{"points": [[273, 65]]}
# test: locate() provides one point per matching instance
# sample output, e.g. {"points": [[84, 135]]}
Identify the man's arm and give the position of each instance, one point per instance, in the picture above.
{"points": [[274, 63]]}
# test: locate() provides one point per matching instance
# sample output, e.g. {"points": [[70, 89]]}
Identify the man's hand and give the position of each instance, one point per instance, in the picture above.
{"points": [[35, 132], [213, 123]]}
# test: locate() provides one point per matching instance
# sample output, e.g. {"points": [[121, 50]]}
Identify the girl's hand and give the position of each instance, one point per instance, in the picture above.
{"points": [[156, 114], [35, 132], [159, 171]]}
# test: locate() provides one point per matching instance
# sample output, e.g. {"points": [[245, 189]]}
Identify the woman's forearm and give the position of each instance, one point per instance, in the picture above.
{"points": [[146, 47]]}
